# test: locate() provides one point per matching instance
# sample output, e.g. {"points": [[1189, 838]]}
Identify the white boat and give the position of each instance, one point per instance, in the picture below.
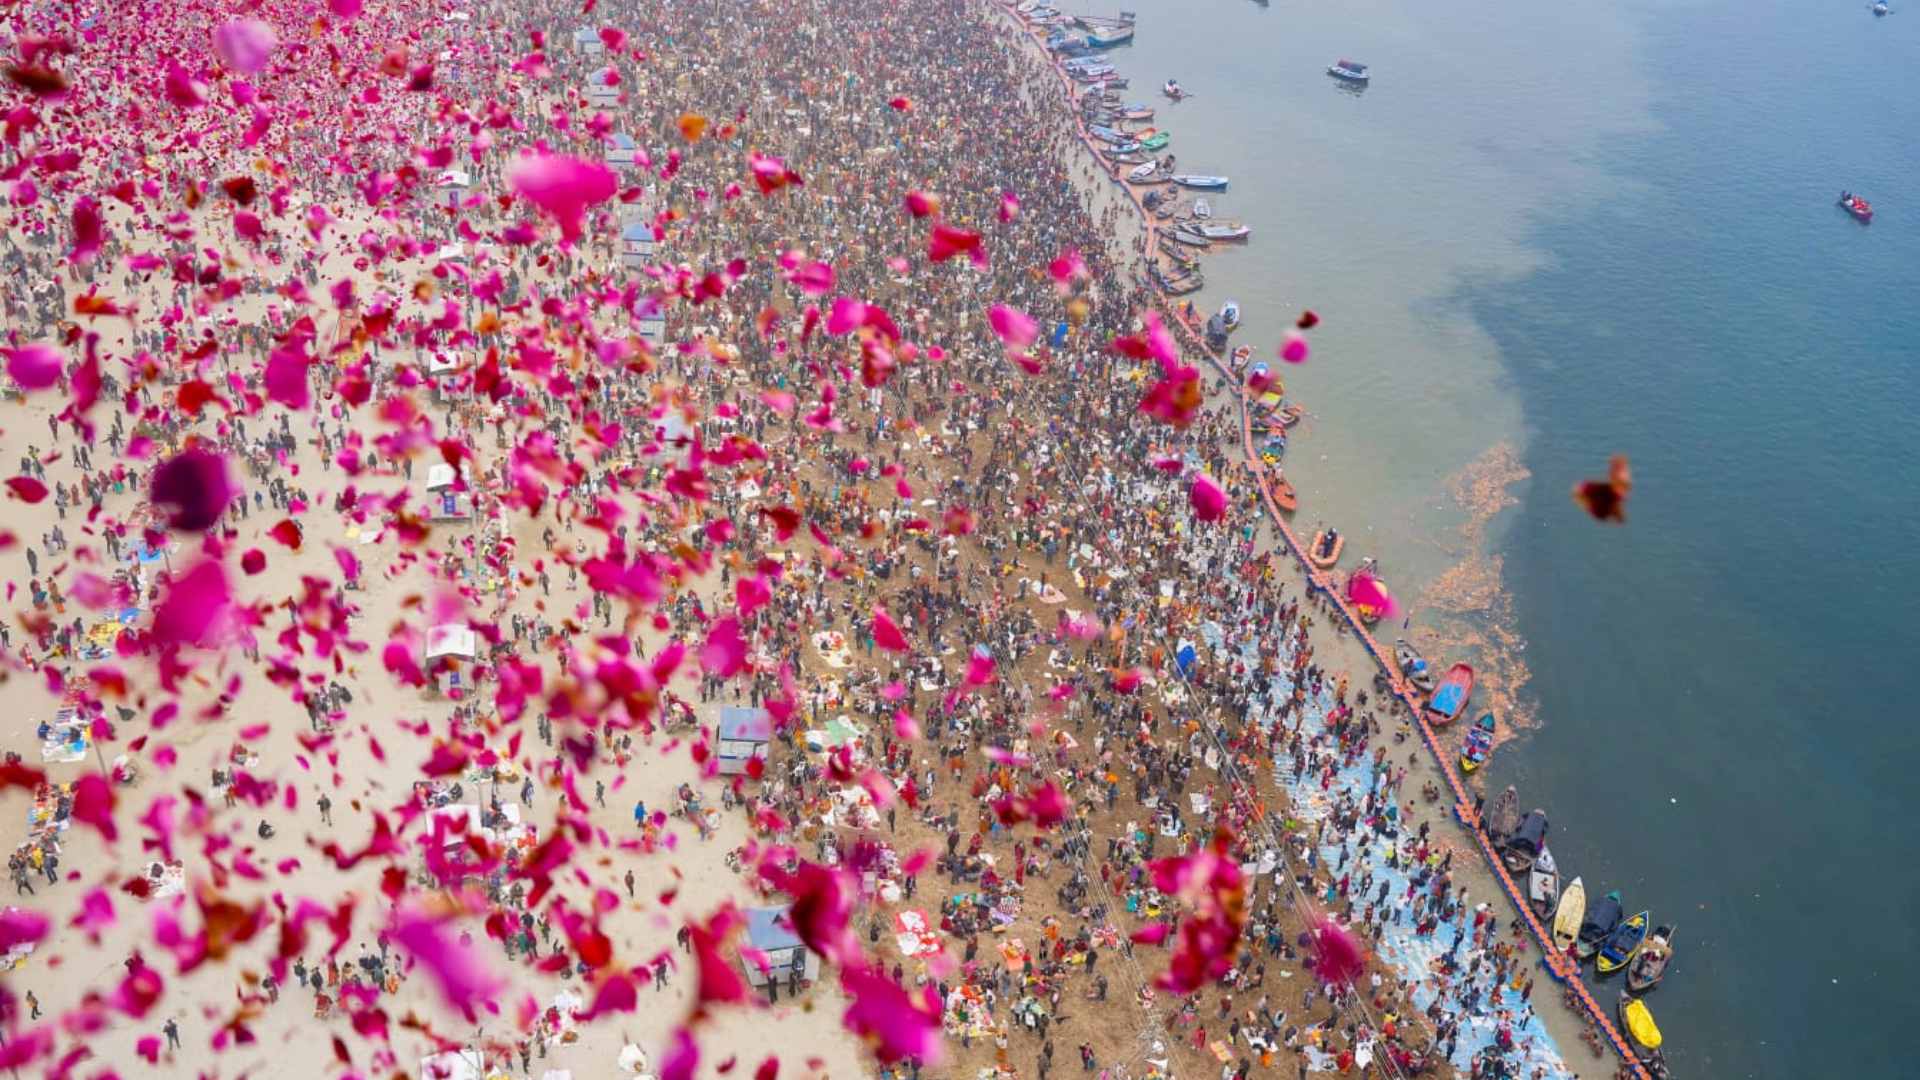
{"points": [[1172, 89], [1204, 183], [1201, 209], [1142, 172], [1230, 314], [1543, 884], [1349, 71], [1223, 230]]}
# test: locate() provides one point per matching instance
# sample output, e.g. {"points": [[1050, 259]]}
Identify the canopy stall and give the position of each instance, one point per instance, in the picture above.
{"points": [[743, 735], [450, 653], [586, 42], [452, 188]]}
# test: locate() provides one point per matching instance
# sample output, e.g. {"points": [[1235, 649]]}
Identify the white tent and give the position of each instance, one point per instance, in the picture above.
{"points": [[453, 1065], [452, 640], [441, 475]]}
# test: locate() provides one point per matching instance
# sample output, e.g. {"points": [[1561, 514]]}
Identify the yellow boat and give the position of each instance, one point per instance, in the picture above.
{"points": [[1567, 917], [1638, 1020]]}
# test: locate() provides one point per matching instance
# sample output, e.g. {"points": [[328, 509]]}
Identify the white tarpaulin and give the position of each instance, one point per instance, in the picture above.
{"points": [[452, 639]]}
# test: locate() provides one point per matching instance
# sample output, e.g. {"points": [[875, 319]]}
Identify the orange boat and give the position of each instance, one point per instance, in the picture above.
{"points": [[1326, 547], [1283, 495]]}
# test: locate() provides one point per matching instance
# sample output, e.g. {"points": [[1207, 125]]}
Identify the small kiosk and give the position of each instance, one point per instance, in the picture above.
{"points": [[636, 244], [622, 151], [586, 42], [445, 500], [453, 185], [452, 649], [743, 736], [770, 931], [600, 91]]}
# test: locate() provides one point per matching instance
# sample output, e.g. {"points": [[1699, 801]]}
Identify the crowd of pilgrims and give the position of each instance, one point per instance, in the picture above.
{"points": [[1043, 530]]}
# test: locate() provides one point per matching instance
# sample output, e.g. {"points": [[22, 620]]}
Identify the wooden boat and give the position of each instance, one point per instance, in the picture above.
{"points": [[1650, 966], [1568, 914], [1136, 112], [1637, 1019], [1451, 695], [1179, 237], [1201, 182], [1543, 884], [1505, 815], [1240, 356], [1156, 141], [1478, 746], [1289, 415], [1861, 209], [1529, 839], [1602, 920], [1174, 90], [1413, 666], [1284, 496], [1142, 171], [1326, 547], [1620, 947], [1107, 39]]}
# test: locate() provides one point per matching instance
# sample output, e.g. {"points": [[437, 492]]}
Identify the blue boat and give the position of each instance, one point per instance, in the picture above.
{"points": [[1107, 39], [1203, 183]]}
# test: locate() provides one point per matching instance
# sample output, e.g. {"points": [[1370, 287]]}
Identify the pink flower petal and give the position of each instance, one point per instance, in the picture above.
{"points": [[1015, 327], [34, 367], [1209, 502], [195, 488], [245, 45]]}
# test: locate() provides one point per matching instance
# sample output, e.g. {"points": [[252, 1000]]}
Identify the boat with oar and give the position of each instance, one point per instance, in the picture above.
{"points": [[1505, 815], [1174, 90], [1650, 966], [1622, 944], [1413, 666], [1568, 914], [1543, 885], [1450, 695], [1529, 839], [1325, 548], [1478, 745], [1602, 920]]}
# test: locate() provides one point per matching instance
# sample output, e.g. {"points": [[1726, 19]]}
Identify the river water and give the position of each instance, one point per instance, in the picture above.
{"points": [[1550, 233]]}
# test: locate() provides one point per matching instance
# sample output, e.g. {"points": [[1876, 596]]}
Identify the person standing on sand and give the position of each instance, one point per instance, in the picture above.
{"points": [[172, 1028]]}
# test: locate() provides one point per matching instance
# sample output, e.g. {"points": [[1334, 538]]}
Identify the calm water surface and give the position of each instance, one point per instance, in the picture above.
{"points": [[1579, 232]]}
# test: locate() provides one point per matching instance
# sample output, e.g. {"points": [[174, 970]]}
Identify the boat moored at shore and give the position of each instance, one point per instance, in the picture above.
{"points": [[1450, 696], [1478, 745], [1201, 182]]}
